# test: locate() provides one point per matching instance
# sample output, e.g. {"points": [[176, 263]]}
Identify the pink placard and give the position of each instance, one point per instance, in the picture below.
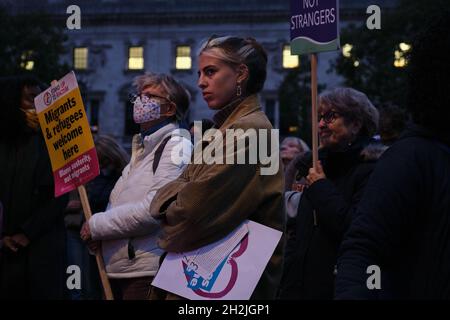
{"points": [[76, 173]]}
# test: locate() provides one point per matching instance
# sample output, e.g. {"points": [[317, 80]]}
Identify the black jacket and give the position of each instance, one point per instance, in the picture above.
{"points": [[324, 213], [402, 225], [27, 195]]}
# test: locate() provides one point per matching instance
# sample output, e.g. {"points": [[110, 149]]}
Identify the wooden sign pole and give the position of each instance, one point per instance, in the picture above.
{"points": [[98, 256], [315, 134]]}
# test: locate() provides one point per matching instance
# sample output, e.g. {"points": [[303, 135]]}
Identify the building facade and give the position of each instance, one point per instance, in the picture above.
{"points": [[120, 40]]}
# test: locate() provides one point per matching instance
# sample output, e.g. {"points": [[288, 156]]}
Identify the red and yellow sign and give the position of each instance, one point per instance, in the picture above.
{"points": [[67, 135]]}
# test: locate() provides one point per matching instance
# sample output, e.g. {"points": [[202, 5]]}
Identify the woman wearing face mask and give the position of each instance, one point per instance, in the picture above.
{"points": [[210, 200], [32, 263], [347, 121], [127, 232]]}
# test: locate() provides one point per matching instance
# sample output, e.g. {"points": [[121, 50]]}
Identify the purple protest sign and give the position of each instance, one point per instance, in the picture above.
{"points": [[314, 26]]}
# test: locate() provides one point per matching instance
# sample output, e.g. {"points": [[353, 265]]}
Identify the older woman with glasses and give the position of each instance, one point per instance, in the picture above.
{"points": [[347, 121], [127, 232]]}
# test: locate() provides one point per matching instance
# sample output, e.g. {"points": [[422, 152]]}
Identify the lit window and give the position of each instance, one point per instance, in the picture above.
{"points": [[136, 58], [27, 63], [347, 50], [80, 58], [183, 60], [400, 60], [356, 64], [289, 61]]}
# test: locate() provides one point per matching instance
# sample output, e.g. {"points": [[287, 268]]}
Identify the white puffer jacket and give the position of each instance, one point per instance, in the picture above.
{"points": [[127, 218]]}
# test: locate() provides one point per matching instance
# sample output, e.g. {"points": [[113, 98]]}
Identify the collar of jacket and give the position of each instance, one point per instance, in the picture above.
{"points": [[155, 128], [142, 147], [415, 130], [363, 149], [225, 118]]}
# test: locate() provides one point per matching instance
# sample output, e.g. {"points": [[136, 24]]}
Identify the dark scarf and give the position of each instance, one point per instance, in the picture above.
{"points": [[337, 162], [415, 130], [155, 128]]}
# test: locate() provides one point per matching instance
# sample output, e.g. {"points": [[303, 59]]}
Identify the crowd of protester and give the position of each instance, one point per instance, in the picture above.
{"points": [[378, 196]]}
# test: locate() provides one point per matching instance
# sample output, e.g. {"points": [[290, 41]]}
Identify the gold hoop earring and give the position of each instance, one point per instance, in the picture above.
{"points": [[238, 90]]}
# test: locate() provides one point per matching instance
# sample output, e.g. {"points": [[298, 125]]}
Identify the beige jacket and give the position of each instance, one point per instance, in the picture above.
{"points": [[208, 201]]}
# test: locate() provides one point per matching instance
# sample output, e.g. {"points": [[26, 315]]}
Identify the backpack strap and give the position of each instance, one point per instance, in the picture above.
{"points": [[158, 153]]}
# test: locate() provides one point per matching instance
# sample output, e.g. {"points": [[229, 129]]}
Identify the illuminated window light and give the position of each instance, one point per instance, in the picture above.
{"points": [[183, 59], [289, 61], [136, 58], [80, 58]]}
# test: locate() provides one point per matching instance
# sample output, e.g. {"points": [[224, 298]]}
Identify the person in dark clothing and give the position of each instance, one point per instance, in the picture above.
{"points": [[403, 222], [393, 121], [348, 120], [1, 228], [33, 257], [112, 160]]}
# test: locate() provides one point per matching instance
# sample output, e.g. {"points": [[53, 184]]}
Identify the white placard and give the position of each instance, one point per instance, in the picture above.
{"points": [[237, 273]]}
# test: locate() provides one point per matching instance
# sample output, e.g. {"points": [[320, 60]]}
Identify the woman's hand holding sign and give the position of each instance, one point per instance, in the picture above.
{"points": [[86, 236], [315, 174], [85, 232]]}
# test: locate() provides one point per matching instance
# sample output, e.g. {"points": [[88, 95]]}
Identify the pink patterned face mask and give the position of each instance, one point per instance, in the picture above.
{"points": [[146, 109]]}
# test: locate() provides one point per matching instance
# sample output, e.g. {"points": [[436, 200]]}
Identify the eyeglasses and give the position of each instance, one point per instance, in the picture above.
{"points": [[329, 116], [146, 97]]}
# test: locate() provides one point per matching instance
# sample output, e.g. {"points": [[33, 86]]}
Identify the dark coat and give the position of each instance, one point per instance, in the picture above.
{"points": [[402, 225], [27, 194], [324, 213]]}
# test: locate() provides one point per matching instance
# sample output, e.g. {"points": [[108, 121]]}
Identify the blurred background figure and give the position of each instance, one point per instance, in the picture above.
{"points": [[112, 160], [1, 228], [290, 148], [393, 122], [33, 264]]}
